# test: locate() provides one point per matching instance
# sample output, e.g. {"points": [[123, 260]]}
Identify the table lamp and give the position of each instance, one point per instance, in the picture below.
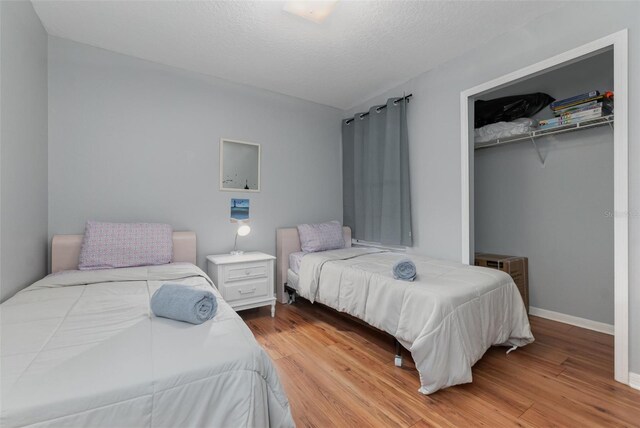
{"points": [[243, 230]]}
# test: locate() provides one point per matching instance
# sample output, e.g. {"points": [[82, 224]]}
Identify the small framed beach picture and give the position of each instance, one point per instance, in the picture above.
{"points": [[239, 210]]}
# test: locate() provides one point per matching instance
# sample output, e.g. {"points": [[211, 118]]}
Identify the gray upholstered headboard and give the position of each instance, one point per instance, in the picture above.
{"points": [[287, 242], [65, 250]]}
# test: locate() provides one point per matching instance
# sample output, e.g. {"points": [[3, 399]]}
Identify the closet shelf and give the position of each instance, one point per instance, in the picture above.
{"points": [[530, 136]]}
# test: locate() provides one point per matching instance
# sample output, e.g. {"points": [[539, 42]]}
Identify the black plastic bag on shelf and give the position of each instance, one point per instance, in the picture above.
{"points": [[507, 109]]}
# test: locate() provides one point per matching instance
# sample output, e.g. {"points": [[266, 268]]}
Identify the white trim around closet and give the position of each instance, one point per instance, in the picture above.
{"points": [[619, 43]]}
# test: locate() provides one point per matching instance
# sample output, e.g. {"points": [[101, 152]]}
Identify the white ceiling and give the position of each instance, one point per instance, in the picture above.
{"points": [[360, 50]]}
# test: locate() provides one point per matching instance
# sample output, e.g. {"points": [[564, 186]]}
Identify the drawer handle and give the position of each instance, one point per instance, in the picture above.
{"points": [[247, 272], [253, 290]]}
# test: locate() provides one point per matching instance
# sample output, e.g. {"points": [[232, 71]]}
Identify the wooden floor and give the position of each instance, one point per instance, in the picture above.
{"points": [[339, 373]]}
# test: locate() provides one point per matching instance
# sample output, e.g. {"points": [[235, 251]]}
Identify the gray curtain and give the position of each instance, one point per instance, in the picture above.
{"points": [[375, 166]]}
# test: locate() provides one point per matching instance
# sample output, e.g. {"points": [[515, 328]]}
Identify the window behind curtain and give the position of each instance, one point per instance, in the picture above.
{"points": [[375, 166]]}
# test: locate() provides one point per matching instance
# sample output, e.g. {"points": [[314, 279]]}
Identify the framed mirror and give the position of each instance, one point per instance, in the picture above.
{"points": [[239, 166]]}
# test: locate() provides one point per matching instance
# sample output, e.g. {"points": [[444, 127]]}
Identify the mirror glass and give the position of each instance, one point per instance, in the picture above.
{"points": [[239, 166]]}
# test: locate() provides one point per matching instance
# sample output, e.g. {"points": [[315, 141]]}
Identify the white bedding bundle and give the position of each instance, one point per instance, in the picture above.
{"points": [[504, 129], [448, 317]]}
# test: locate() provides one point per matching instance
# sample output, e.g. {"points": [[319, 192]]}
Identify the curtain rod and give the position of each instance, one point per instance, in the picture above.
{"points": [[379, 108]]}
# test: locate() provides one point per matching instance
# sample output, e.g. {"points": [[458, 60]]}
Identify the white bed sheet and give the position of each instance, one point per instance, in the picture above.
{"points": [[295, 259], [448, 317], [292, 279], [84, 349]]}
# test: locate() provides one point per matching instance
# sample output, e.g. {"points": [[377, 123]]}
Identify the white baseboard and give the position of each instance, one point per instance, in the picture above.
{"points": [[570, 319], [634, 380]]}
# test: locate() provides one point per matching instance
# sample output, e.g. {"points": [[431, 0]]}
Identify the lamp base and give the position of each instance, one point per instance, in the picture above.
{"points": [[237, 252]]}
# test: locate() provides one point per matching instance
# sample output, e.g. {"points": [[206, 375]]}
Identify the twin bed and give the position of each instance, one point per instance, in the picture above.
{"points": [[448, 317], [82, 348]]}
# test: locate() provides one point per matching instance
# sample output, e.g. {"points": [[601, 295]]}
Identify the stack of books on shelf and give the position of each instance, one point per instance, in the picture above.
{"points": [[590, 105]]}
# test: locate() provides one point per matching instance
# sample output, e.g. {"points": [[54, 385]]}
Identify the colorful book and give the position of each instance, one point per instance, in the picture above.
{"points": [[578, 115], [571, 118], [572, 100], [598, 98], [568, 122], [577, 108]]}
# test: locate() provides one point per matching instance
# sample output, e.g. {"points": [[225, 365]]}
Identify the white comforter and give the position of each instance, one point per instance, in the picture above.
{"points": [[447, 318], [83, 349]]}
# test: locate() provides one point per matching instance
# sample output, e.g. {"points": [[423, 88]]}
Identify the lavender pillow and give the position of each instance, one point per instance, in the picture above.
{"points": [[320, 237], [117, 245]]}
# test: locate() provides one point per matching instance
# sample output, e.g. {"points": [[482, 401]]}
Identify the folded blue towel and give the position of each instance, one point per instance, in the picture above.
{"points": [[404, 269], [184, 303]]}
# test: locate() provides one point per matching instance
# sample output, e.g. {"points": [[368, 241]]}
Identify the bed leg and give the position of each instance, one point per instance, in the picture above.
{"points": [[291, 295], [398, 359], [273, 309]]}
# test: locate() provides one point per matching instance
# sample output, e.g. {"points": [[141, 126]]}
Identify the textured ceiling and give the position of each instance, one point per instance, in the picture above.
{"points": [[361, 49]]}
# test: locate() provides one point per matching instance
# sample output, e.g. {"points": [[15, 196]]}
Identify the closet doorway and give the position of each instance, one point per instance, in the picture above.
{"points": [[602, 54]]}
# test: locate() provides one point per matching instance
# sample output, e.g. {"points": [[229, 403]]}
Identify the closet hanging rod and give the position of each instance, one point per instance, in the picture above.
{"points": [[348, 121]]}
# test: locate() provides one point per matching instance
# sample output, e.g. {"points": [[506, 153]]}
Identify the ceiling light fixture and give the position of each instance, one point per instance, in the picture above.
{"points": [[314, 11]]}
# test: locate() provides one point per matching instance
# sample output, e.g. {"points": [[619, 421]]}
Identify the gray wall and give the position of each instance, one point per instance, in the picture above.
{"points": [[130, 140], [23, 152], [556, 215], [434, 124]]}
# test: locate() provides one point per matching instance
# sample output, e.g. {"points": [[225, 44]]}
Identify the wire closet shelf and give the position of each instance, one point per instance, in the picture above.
{"points": [[530, 136]]}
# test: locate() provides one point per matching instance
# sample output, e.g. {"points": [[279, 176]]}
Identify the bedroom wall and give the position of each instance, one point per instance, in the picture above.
{"points": [[434, 124], [556, 215], [131, 140], [23, 152]]}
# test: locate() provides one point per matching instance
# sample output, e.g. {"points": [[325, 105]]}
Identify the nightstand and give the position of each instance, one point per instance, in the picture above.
{"points": [[245, 280]]}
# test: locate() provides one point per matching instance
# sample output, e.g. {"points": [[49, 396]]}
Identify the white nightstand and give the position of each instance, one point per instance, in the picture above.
{"points": [[245, 281]]}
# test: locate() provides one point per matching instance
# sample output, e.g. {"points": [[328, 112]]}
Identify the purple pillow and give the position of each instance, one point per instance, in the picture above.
{"points": [[117, 245], [321, 237]]}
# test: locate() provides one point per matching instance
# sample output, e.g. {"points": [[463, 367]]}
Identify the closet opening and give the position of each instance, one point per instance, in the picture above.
{"points": [[545, 186]]}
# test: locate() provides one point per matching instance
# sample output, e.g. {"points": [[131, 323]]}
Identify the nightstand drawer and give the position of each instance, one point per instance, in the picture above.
{"points": [[244, 271], [246, 290]]}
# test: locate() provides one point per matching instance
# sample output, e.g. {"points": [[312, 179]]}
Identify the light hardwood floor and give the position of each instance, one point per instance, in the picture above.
{"points": [[340, 373]]}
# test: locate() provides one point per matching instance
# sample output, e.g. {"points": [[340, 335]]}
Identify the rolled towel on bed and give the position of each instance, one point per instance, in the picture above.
{"points": [[404, 269], [184, 303]]}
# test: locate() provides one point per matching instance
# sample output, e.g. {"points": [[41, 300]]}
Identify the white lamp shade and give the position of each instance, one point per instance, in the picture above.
{"points": [[243, 230]]}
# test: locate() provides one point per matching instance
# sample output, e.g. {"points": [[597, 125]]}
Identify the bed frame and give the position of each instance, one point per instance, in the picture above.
{"points": [[65, 250], [287, 242]]}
